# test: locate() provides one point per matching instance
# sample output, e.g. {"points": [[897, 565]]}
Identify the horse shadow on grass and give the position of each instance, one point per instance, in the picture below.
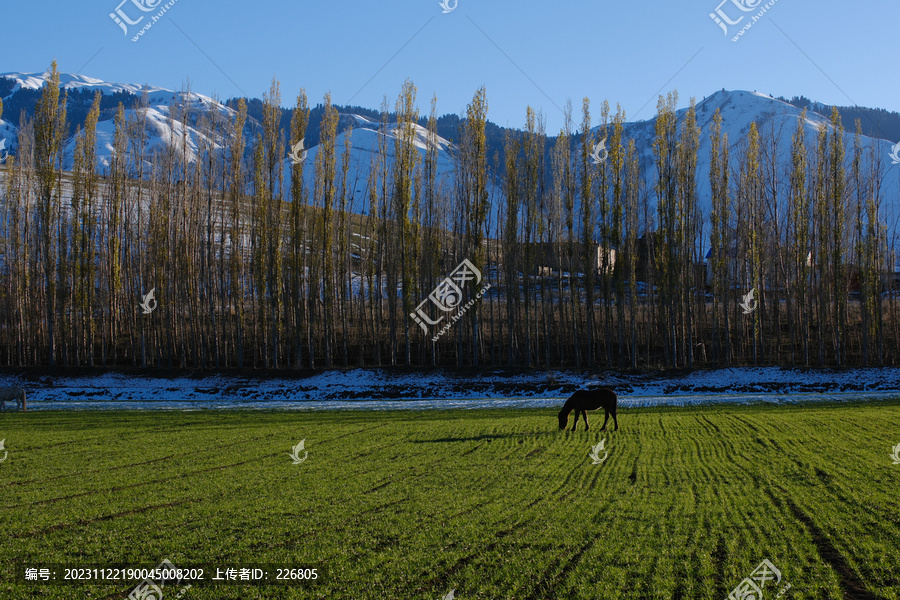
{"points": [[481, 438]]}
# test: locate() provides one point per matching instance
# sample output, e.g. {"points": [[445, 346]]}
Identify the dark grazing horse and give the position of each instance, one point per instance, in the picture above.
{"points": [[12, 393], [584, 400]]}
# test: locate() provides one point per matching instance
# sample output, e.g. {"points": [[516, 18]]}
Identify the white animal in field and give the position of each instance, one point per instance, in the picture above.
{"points": [[12, 393]]}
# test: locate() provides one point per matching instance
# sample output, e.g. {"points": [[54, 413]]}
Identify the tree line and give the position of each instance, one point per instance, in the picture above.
{"points": [[252, 267]]}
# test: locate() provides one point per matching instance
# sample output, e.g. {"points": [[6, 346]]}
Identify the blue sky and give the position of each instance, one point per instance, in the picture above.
{"points": [[525, 52]]}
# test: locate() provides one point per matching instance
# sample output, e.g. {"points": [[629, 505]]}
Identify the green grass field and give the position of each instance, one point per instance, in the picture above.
{"points": [[493, 504]]}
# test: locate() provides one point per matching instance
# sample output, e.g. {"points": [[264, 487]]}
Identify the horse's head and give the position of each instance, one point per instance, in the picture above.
{"points": [[563, 419]]}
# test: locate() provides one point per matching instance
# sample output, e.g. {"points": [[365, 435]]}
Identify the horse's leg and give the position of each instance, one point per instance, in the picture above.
{"points": [[616, 421], [575, 422], [586, 426], [605, 421]]}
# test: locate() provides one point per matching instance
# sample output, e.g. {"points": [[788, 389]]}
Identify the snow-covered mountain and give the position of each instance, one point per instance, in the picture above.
{"points": [[158, 95], [738, 108], [773, 118], [365, 139], [159, 134], [163, 131]]}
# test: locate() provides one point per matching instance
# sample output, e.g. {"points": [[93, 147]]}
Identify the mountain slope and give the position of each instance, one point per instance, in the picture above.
{"points": [[365, 138], [166, 129], [774, 117]]}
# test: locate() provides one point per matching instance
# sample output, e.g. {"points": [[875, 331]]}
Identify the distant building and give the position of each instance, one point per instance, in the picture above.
{"points": [[553, 257], [731, 265], [890, 280], [644, 259]]}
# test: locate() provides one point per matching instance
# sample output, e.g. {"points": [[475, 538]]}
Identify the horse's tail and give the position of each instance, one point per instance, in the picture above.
{"points": [[613, 400]]}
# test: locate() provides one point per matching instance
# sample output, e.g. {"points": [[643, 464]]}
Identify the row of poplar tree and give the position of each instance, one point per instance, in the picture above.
{"points": [[253, 268]]}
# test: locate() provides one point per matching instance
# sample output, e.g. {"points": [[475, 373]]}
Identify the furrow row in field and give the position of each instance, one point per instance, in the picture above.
{"points": [[500, 505]]}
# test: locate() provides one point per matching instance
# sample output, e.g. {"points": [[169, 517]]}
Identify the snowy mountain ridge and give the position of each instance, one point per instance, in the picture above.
{"points": [[166, 129], [774, 118]]}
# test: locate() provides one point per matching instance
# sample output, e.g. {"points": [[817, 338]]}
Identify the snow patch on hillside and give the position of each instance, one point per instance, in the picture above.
{"points": [[69, 81], [365, 142], [775, 119]]}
